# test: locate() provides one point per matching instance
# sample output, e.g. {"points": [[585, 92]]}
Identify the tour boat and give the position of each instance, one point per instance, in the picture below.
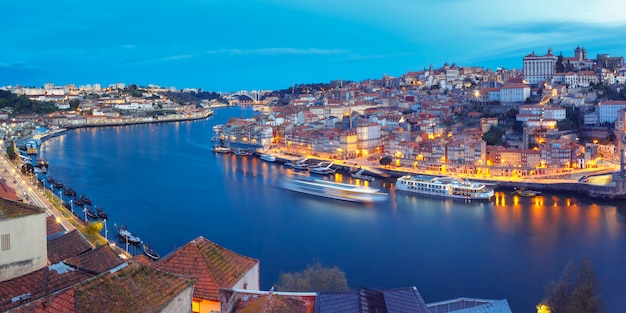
{"points": [[323, 168], [220, 149], [446, 186], [241, 152], [268, 157], [334, 190], [299, 165], [360, 175]]}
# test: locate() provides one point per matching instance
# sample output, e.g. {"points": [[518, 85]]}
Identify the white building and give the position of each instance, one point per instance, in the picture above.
{"points": [[539, 68], [514, 93], [23, 246], [556, 113], [608, 109]]}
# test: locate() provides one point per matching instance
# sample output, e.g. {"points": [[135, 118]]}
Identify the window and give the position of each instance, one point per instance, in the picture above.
{"points": [[195, 306], [5, 242]]}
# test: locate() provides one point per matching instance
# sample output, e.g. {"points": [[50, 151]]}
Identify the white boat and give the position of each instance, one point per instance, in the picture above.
{"points": [[268, 157], [220, 149], [300, 165], [334, 190], [323, 168], [361, 175], [446, 186], [126, 235]]}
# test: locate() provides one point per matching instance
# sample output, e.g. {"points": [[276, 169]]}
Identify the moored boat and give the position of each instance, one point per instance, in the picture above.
{"points": [[268, 157], [101, 214], [525, 192], [241, 152], [127, 236], [220, 149], [150, 253], [68, 191], [334, 190], [360, 174], [323, 168], [446, 186], [85, 200]]}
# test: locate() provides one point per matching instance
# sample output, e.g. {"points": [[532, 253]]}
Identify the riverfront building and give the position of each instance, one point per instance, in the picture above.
{"points": [[22, 239]]}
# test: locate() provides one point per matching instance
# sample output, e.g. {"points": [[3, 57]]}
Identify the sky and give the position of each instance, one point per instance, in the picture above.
{"points": [[232, 45]]}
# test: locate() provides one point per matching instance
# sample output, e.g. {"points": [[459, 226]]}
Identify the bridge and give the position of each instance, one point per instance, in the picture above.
{"points": [[254, 95]]}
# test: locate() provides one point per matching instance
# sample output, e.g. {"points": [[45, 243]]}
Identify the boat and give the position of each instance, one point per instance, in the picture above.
{"points": [[79, 202], [360, 174], [241, 152], [525, 192], [85, 200], [69, 191], [220, 149], [323, 168], [151, 254], [91, 213], [334, 190], [101, 214], [58, 185], [268, 157], [127, 236], [299, 165], [444, 186]]}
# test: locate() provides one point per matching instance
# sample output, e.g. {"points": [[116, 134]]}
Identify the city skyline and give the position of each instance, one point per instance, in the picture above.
{"points": [[272, 44]]}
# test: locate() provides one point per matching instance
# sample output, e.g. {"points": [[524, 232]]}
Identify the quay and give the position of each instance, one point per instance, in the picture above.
{"points": [[570, 182]]}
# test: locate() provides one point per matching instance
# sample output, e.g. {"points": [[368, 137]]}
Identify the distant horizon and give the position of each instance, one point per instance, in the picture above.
{"points": [[225, 46]]}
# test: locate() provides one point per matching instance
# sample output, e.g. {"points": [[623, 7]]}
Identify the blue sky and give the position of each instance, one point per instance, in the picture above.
{"points": [[229, 45]]}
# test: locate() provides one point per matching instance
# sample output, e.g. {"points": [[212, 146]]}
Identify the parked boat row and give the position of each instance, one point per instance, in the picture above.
{"points": [[127, 237]]}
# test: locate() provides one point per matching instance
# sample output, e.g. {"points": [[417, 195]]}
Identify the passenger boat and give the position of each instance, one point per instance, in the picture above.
{"points": [[241, 152], [268, 157], [323, 168], [220, 149], [151, 254], [360, 174], [299, 165], [127, 236], [446, 186], [334, 190]]}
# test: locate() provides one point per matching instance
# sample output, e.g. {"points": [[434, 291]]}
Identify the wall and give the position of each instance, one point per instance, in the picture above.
{"points": [[28, 250]]}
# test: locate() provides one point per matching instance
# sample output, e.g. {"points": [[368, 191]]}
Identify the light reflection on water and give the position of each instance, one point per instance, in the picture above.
{"points": [[166, 185]]}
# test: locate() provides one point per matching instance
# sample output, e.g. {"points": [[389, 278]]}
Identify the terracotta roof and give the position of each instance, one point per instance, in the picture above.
{"points": [[214, 266], [6, 192], [63, 302], [142, 259], [38, 284], [267, 301], [98, 260], [52, 227], [12, 209], [133, 288], [67, 246]]}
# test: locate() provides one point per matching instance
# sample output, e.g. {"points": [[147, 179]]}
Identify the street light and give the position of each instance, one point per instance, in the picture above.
{"points": [[106, 232], [85, 211]]}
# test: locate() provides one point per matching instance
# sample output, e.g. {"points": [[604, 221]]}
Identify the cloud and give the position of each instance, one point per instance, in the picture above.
{"points": [[281, 51]]}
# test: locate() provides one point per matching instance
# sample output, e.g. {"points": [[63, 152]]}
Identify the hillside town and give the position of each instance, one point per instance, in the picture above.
{"points": [[552, 117]]}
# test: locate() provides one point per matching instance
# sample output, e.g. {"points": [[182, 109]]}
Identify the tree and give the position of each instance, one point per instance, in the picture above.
{"points": [[74, 103], [11, 152], [574, 293], [386, 160], [314, 278]]}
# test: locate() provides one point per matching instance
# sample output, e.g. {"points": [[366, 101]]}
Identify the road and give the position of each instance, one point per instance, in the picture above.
{"points": [[26, 188]]}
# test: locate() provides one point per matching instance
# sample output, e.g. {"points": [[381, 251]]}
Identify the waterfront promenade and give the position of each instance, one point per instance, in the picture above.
{"points": [[28, 189]]}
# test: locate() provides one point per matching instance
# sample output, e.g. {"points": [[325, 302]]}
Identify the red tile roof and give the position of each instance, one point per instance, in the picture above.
{"points": [[67, 246], [267, 302], [38, 284], [12, 209], [98, 260], [134, 288], [6, 192], [62, 302], [52, 227], [214, 266]]}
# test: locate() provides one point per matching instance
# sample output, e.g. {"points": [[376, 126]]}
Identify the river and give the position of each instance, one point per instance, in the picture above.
{"points": [[164, 182]]}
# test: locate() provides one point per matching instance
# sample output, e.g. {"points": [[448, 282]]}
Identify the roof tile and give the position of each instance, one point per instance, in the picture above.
{"points": [[67, 246]]}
